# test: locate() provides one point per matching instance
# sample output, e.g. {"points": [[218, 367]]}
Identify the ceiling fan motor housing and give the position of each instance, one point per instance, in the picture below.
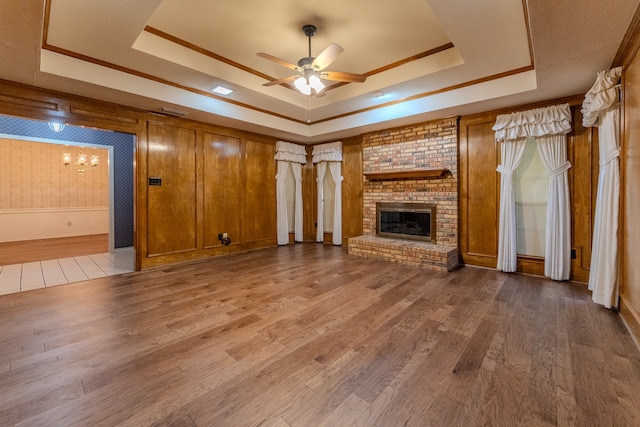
{"points": [[309, 30], [305, 63]]}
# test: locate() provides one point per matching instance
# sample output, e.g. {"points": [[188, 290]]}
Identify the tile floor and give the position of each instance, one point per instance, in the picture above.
{"points": [[35, 275]]}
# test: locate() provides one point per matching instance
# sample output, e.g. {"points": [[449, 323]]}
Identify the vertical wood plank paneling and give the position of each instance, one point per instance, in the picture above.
{"points": [[222, 188], [308, 197], [582, 147], [630, 226], [171, 222], [479, 188], [260, 192], [351, 190]]}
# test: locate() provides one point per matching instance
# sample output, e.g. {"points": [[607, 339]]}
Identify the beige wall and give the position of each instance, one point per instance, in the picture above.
{"points": [[41, 198], [32, 176]]}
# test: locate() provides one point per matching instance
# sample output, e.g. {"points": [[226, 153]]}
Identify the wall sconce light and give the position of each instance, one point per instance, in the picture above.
{"points": [[56, 126], [81, 163]]}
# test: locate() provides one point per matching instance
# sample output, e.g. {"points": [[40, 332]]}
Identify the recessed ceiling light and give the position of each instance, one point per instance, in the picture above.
{"points": [[221, 90]]}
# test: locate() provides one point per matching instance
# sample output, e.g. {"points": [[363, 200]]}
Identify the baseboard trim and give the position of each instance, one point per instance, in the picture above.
{"points": [[631, 320]]}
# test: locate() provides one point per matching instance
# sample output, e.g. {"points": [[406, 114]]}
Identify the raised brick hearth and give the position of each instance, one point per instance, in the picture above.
{"points": [[431, 145], [407, 252]]}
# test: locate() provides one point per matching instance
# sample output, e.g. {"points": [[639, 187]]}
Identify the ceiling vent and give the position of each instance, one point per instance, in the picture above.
{"points": [[173, 112]]}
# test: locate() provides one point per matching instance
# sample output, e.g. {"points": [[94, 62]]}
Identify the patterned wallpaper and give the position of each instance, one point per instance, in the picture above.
{"points": [[33, 176], [123, 146]]}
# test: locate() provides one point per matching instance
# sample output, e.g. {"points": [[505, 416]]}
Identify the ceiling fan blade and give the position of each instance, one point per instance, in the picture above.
{"points": [[326, 57], [340, 76], [278, 61], [281, 81]]}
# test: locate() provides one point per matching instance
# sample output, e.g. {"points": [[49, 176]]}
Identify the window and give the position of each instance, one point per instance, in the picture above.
{"points": [[290, 190], [530, 183], [329, 196]]}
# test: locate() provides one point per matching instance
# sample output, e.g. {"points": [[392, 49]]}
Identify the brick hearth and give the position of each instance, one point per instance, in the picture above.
{"points": [[407, 252]]}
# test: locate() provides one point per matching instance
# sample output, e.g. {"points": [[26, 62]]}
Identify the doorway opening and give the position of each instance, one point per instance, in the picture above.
{"points": [[112, 212]]}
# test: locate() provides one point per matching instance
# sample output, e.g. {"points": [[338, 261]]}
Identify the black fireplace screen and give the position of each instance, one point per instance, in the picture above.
{"points": [[406, 220]]}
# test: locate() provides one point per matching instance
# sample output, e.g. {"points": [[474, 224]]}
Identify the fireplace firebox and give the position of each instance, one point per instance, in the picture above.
{"points": [[415, 221]]}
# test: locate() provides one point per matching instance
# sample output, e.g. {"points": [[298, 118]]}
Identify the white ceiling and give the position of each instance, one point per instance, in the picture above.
{"points": [[430, 58]]}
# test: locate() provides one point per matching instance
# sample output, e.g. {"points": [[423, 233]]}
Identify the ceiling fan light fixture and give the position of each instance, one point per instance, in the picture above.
{"points": [[311, 68], [302, 85], [316, 83]]}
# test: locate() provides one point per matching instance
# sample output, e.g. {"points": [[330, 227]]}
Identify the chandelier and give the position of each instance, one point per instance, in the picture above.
{"points": [[81, 162]]}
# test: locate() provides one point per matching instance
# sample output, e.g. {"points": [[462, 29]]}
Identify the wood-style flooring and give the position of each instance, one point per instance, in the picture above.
{"points": [[44, 249], [307, 335]]}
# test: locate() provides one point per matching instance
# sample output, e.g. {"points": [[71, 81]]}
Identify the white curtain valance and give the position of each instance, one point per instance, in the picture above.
{"points": [[290, 152], [535, 123], [331, 152], [601, 96]]}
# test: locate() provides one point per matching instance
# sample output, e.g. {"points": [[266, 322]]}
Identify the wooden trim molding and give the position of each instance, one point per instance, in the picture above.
{"points": [[406, 174], [631, 319], [630, 43]]}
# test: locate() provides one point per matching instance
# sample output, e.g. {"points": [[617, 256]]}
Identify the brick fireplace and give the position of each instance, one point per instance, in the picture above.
{"points": [[412, 165]]}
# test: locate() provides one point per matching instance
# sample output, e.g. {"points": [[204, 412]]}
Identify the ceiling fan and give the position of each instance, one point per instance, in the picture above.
{"points": [[311, 69]]}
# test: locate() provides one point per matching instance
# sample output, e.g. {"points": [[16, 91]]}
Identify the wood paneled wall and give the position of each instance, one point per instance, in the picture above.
{"points": [[171, 222], [351, 188], [214, 179], [222, 156], [480, 192], [630, 177]]}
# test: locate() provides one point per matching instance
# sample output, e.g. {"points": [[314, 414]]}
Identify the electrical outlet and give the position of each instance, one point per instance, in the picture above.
{"points": [[220, 236], [224, 235]]}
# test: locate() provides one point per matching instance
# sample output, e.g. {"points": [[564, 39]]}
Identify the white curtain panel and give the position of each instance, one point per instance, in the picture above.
{"points": [[517, 127], [511, 153], [603, 275], [336, 172], [322, 155], [321, 170], [600, 108], [557, 250], [297, 174], [282, 227], [296, 156]]}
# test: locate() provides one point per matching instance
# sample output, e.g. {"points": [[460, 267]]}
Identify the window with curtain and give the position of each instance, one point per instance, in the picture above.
{"points": [[530, 185], [548, 126], [328, 161], [329, 200], [290, 189], [289, 214]]}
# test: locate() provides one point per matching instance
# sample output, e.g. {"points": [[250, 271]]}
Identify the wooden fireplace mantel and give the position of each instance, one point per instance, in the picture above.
{"points": [[406, 174]]}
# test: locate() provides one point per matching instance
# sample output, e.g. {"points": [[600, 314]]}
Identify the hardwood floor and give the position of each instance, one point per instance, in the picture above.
{"points": [[45, 249], [307, 335]]}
